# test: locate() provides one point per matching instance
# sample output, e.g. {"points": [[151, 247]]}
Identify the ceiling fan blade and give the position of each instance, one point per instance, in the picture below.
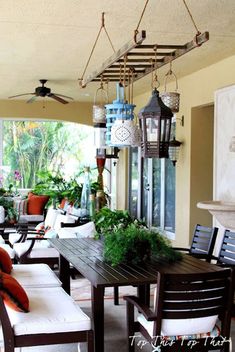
{"points": [[31, 100], [55, 97], [20, 95], [64, 96]]}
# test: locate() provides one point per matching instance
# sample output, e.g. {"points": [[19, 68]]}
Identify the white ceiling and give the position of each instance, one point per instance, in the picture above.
{"points": [[52, 39]]}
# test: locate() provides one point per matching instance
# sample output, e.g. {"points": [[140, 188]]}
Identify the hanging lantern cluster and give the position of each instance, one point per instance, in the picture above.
{"points": [[114, 123]]}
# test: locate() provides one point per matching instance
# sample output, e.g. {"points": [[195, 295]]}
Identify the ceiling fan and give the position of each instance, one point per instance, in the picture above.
{"points": [[43, 91]]}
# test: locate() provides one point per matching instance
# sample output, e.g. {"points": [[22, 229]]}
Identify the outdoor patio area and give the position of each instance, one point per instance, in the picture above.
{"points": [[115, 316], [117, 169]]}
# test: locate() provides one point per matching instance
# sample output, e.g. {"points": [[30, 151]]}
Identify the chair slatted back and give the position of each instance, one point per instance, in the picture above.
{"points": [[227, 251], [185, 296], [203, 241]]}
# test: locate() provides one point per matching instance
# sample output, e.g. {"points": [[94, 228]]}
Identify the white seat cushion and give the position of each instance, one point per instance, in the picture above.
{"points": [[2, 240], [68, 347], [51, 310], [39, 250], [44, 253], [35, 275], [172, 327], [32, 218], [67, 232], [9, 250]]}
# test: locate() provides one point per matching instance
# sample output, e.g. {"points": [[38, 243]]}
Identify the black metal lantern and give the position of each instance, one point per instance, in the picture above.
{"points": [[155, 125], [174, 148]]}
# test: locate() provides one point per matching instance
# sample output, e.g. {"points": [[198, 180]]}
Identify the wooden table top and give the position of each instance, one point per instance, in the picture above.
{"points": [[86, 255]]}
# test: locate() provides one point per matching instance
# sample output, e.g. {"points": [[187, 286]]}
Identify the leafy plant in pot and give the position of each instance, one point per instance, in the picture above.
{"points": [[128, 240], [135, 244], [12, 215], [10, 211]]}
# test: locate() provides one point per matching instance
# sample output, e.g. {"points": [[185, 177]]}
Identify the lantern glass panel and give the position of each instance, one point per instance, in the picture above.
{"points": [[174, 153], [99, 137], [152, 129]]}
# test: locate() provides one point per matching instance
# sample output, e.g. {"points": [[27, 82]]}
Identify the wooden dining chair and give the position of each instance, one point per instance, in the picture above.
{"points": [[202, 247], [203, 242], [185, 317], [226, 256]]}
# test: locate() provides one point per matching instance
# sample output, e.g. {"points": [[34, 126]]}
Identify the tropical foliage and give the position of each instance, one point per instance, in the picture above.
{"points": [[30, 146], [57, 187]]}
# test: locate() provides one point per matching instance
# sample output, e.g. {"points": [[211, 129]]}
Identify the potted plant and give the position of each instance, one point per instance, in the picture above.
{"points": [[12, 215], [106, 220]]}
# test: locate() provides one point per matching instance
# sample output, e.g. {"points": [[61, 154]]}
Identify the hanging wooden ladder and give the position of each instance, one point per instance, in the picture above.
{"points": [[139, 58]]}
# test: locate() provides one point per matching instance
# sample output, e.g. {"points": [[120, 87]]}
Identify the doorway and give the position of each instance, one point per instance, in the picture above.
{"points": [[201, 180]]}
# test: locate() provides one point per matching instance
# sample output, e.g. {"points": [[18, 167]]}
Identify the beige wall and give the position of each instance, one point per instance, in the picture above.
{"points": [[74, 112], [196, 90]]}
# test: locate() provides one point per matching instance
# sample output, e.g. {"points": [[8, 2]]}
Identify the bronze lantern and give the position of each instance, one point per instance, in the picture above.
{"points": [[155, 126]]}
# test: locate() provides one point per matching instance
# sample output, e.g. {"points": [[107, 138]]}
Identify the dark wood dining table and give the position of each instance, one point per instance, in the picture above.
{"points": [[86, 255]]}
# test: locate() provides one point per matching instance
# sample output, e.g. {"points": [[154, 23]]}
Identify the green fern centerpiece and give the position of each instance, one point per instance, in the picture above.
{"points": [[135, 244]]}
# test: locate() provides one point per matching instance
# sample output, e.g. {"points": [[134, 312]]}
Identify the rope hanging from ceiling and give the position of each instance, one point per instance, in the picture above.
{"points": [[95, 43], [139, 58]]}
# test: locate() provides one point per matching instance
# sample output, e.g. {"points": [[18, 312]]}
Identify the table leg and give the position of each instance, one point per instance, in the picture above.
{"points": [[97, 296], [64, 273]]}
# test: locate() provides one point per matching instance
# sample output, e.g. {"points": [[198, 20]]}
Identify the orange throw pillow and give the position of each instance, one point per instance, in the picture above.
{"points": [[5, 261], [36, 204], [13, 294]]}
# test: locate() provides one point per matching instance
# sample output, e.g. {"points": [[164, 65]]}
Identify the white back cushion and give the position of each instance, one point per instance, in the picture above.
{"points": [[86, 230], [51, 217], [63, 218]]}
